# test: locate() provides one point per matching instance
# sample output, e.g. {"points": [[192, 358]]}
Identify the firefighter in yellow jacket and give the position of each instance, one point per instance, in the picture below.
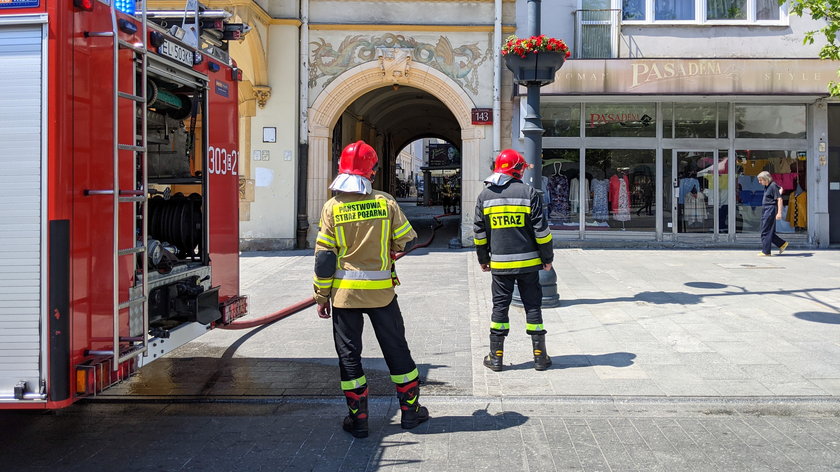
{"points": [[360, 232]]}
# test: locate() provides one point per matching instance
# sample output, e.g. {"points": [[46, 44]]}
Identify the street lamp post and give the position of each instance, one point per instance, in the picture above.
{"points": [[533, 131]]}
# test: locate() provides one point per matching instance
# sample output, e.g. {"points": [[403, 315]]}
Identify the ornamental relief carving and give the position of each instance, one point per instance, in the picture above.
{"points": [[396, 53], [262, 93]]}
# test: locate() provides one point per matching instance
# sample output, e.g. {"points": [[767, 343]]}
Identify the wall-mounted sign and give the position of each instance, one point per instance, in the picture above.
{"points": [[482, 116], [624, 119], [691, 76], [443, 154], [269, 134]]}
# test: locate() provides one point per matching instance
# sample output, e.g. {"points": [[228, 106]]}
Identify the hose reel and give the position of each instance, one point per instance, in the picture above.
{"points": [[175, 105], [177, 221]]}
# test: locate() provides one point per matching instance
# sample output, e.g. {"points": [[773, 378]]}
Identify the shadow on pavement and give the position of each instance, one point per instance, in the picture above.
{"points": [[480, 420], [613, 359], [685, 298], [819, 317]]}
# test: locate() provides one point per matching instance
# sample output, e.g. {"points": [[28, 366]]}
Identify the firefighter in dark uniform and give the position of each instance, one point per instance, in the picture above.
{"points": [[513, 242], [361, 230]]}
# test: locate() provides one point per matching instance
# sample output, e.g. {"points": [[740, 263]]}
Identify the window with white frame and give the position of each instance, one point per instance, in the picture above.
{"points": [[703, 11]]}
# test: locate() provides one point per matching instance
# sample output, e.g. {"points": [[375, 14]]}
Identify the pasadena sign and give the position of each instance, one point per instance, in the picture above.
{"points": [[649, 72], [692, 77]]}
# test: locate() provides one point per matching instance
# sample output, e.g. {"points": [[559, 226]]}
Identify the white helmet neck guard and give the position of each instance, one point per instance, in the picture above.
{"points": [[352, 184]]}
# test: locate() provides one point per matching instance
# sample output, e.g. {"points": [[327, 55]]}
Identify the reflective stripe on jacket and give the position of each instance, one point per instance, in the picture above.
{"points": [[511, 232], [362, 230]]}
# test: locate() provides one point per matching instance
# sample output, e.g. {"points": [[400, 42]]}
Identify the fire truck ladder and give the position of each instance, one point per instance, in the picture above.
{"points": [[139, 194]]}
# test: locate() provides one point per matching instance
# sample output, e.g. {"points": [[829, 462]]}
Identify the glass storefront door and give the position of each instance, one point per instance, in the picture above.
{"points": [[697, 205]]}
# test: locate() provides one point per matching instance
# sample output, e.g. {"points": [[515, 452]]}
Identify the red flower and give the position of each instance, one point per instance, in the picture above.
{"points": [[533, 45]]}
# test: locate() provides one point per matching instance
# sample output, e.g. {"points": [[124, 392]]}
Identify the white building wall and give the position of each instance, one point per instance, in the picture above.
{"points": [[720, 41], [685, 40], [274, 165], [281, 8]]}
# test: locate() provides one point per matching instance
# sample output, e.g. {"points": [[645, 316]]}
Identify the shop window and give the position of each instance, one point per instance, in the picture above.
{"points": [[723, 120], [770, 121], [788, 170], [620, 190], [561, 182], [668, 184], [620, 120], [695, 120], [560, 119], [699, 189], [709, 11]]}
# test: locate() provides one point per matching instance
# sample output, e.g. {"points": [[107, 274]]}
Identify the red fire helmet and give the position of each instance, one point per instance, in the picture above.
{"points": [[511, 163], [358, 158]]}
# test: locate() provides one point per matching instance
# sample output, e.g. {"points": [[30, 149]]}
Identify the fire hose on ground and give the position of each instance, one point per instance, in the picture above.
{"points": [[308, 302]]}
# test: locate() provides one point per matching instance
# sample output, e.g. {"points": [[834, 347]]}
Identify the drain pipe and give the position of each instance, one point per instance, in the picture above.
{"points": [[303, 128], [497, 78]]}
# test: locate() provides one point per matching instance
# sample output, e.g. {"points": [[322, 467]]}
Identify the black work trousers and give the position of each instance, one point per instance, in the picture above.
{"points": [[768, 229], [387, 321], [530, 291]]}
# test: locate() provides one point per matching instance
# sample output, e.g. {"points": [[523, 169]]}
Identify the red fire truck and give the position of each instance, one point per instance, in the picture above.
{"points": [[118, 191]]}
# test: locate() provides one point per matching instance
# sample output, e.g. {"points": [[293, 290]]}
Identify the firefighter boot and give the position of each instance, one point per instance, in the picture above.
{"points": [[356, 423], [541, 359], [412, 412], [493, 361]]}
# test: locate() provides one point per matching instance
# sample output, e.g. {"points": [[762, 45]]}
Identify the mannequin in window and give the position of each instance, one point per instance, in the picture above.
{"points": [[575, 183], [797, 211], [558, 187], [600, 195], [620, 196], [688, 184]]}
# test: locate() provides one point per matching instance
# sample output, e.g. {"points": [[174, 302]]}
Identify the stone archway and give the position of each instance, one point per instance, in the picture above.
{"points": [[393, 68]]}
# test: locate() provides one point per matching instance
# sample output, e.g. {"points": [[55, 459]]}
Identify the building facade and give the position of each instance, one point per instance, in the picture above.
{"points": [[657, 127], [654, 130], [390, 73]]}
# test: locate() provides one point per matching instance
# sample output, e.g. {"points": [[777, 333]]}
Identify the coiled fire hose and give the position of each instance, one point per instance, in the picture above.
{"points": [[308, 302]]}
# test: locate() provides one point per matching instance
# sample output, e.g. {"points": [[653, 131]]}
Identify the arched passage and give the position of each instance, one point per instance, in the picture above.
{"points": [[332, 102]]}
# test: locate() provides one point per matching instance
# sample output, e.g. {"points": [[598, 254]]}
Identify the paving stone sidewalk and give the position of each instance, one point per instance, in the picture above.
{"points": [[695, 360], [465, 433], [670, 323]]}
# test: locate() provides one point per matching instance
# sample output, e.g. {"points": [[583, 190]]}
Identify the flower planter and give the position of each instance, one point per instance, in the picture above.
{"points": [[535, 67]]}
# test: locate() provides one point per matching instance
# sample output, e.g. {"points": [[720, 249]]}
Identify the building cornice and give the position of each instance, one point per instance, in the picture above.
{"points": [[424, 1], [407, 27], [286, 22]]}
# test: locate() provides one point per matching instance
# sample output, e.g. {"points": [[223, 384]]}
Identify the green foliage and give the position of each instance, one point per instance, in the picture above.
{"points": [[828, 11]]}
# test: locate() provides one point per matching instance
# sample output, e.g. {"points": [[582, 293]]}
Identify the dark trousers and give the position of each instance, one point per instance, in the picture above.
{"points": [[387, 321], [529, 290], [768, 229]]}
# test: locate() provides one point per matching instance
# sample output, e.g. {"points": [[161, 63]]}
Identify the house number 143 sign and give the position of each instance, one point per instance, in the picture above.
{"points": [[482, 116]]}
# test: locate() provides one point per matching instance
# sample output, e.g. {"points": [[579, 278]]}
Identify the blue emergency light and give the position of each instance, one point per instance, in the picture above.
{"points": [[125, 6]]}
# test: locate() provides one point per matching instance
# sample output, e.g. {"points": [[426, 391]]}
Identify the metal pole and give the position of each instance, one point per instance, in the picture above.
{"points": [[534, 19], [533, 131]]}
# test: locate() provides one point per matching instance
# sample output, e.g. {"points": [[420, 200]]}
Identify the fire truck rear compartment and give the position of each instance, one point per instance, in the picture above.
{"points": [[180, 289]]}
